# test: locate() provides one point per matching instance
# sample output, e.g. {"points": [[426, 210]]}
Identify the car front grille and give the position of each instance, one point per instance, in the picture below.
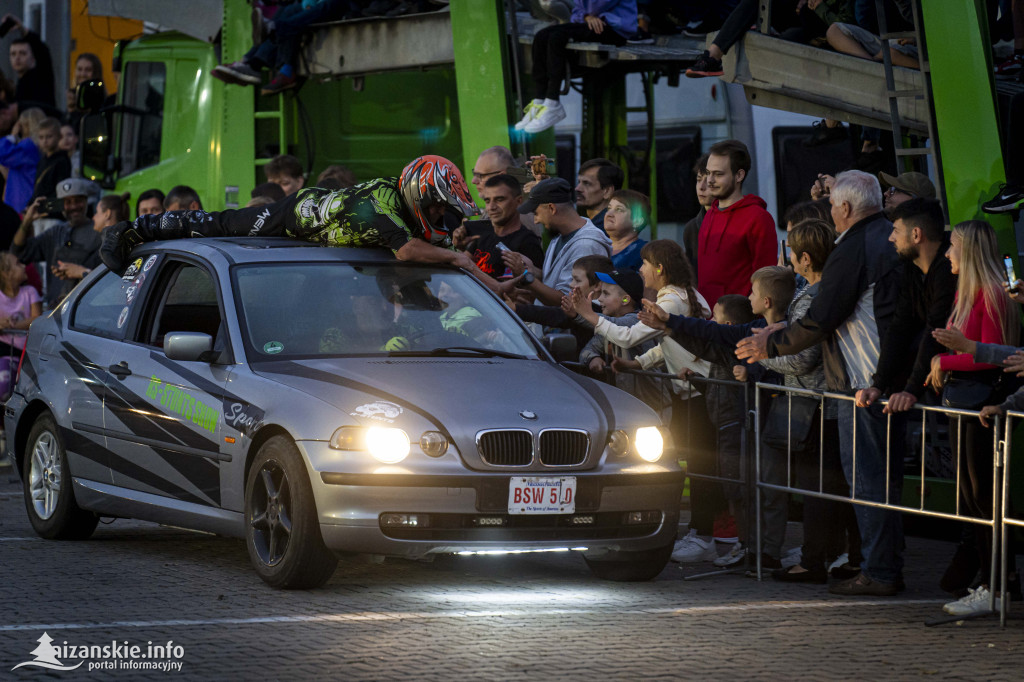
{"points": [[563, 448], [506, 448]]}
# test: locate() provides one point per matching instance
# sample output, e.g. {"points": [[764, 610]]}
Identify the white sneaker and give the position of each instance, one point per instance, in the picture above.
{"points": [[792, 557], [975, 602], [735, 556], [692, 549], [547, 116], [531, 113], [841, 560]]}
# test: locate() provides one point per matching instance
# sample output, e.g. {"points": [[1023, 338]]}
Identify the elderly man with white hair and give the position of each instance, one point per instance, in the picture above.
{"points": [[849, 316]]}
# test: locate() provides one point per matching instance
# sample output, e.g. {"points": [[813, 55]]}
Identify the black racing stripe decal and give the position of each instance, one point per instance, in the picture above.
{"points": [[84, 447], [599, 398], [136, 408], [130, 469], [119, 404], [28, 370], [202, 383], [163, 445], [295, 369]]}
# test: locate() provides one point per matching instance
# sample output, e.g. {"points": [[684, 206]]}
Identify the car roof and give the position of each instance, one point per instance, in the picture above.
{"points": [[267, 249]]}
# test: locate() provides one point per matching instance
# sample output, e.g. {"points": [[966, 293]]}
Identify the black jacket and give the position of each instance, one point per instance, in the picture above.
{"points": [[925, 302], [862, 258]]}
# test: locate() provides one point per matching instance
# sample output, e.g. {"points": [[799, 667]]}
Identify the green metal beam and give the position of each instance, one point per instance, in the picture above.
{"points": [[478, 35], [966, 116]]}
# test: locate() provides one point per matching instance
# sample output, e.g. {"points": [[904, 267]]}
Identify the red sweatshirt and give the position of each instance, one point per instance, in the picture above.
{"points": [[731, 245], [982, 326]]}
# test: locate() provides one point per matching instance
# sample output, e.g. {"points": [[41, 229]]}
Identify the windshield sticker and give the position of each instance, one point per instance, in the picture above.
{"points": [[243, 417], [123, 317], [134, 269], [129, 294], [149, 263], [272, 347], [381, 410], [182, 403]]}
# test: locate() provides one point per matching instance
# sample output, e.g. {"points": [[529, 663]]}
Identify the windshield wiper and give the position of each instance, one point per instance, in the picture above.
{"points": [[456, 351]]}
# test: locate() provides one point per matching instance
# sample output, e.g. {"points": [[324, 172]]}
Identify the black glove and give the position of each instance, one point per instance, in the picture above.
{"points": [[118, 242]]}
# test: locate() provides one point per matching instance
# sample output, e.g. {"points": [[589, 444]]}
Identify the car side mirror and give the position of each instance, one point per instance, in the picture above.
{"points": [[90, 96], [189, 347], [561, 346]]}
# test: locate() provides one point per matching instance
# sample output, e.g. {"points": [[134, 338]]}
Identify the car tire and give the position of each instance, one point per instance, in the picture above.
{"points": [[630, 566], [49, 490], [282, 531]]}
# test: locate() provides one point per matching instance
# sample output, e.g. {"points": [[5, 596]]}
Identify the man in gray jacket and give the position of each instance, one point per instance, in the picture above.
{"points": [[572, 237]]}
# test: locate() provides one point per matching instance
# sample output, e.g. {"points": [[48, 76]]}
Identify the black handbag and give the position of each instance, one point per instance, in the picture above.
{"points": [[971, 390], [790, 427]]}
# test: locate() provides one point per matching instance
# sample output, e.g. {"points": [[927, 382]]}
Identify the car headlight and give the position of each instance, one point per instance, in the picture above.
{"points": [[649, 443], [386, 444], [433, 443], [618, 443]]}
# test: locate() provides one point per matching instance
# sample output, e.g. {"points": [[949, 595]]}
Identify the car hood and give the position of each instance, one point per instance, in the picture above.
{"points": [[479, 393]]}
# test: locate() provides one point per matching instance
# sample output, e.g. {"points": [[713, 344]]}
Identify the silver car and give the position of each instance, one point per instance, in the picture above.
{"points": [[323, 401]]}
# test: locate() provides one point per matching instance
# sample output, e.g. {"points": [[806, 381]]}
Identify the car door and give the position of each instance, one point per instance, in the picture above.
{"points": [[80, 359], [164, 428]]}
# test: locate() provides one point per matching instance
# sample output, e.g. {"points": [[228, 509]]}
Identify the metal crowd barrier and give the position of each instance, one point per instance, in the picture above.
{"points": [[1000, 479], [1009, 516]]}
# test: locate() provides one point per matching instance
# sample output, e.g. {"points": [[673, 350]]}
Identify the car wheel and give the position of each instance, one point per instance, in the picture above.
{"points": [[49, 491], [282, 532], [630, 566]]}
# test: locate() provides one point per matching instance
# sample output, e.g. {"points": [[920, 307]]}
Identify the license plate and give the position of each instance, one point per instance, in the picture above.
{"points": [[536, 495]]}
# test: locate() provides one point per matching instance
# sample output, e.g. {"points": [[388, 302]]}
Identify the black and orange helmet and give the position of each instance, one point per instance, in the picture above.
{"points": [[432, 180]]}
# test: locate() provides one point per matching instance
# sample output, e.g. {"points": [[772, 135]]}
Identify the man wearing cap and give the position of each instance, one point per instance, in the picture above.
{"points": [[72, 241], [905, 186], [572, 237]]}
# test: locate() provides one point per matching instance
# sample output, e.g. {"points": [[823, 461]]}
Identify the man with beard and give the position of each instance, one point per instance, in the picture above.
{"points": [[924, 303], [72, 241], [737, 236], [598, 180], [486, 239]]}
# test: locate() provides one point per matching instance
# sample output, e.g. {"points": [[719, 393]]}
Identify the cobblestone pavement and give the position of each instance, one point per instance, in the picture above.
{"points": [[493, 618]]}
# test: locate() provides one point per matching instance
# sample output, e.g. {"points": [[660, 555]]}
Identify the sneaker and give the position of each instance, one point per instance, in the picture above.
{"points": [[642, 37], [1006, 200], [737, 554], [824, 135], [692, 549], [844, 571], [279, 84], [546, 117], [724, 529], [792, 557], [705, 66], [238, 73], [863, 586], [1011, 68], [976, 601], [530, 113], [699, 29]]}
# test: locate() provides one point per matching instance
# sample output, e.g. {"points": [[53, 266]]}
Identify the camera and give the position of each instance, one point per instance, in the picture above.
{"points": [[6, 27], [53, 207]]}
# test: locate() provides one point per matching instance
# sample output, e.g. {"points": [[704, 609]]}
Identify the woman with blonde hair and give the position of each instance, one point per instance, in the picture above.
{"points": [[19, 305], [982, 312], [19, 156]]}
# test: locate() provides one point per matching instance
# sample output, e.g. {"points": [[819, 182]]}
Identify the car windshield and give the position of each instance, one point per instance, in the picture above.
{"points": [[337, 309]]}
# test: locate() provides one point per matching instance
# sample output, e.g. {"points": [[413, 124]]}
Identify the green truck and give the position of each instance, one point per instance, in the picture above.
{"points": [[173, 123]]}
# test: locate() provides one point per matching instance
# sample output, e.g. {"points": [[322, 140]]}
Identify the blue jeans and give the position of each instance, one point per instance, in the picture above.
{"points": [[282, 47], [881, 530]]}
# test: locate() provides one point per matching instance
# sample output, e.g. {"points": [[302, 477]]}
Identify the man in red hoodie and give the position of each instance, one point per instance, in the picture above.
{"points": [[737, 236]]}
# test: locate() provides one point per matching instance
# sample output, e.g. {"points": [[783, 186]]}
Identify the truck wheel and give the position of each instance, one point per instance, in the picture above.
{"points": [[282, 532], [49, 491], [630, 566]]}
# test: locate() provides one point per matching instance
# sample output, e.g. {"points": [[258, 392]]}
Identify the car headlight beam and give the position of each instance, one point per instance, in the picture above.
{"points": [[385, 443], [649, 443]]}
